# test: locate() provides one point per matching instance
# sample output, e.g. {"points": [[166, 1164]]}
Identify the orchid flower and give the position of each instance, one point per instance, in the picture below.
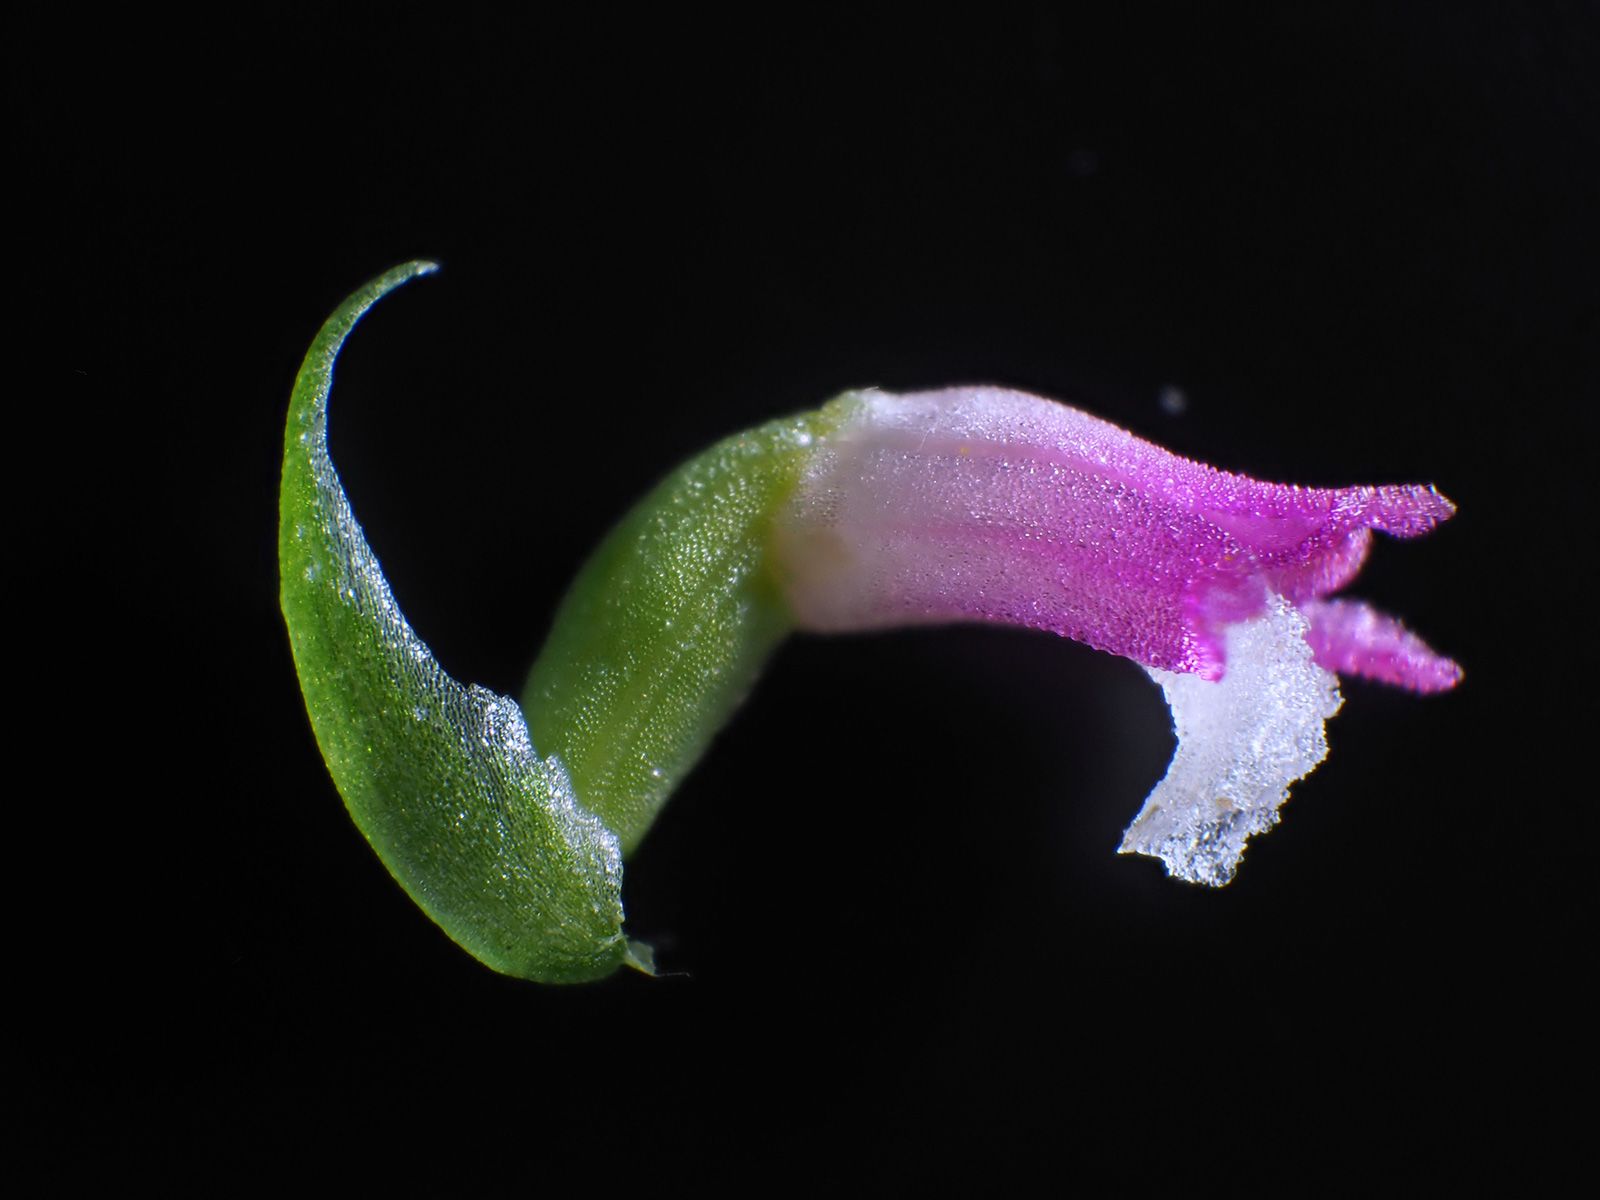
{"points": [[981, 504], [874, 511]]}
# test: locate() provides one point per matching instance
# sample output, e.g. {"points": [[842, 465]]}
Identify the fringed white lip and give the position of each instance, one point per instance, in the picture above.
{"points": [[1242, 740]]}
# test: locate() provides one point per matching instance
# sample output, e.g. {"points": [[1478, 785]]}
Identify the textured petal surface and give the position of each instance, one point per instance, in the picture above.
{"points": [[1352, 638], [992, 505]]}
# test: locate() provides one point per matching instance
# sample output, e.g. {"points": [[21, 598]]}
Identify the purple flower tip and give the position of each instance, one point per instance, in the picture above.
{"points": [[1349, 637]]}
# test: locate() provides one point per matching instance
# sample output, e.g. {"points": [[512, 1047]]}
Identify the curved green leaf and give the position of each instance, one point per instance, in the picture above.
{"points": [[442, 779]]}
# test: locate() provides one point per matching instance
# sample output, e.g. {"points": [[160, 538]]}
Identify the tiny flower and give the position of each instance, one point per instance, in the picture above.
{"points": [[982, 504], [509, 823]]}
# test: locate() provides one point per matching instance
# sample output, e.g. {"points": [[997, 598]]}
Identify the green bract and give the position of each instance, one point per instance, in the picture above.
{"points": [[517, 852], [667, 626]]}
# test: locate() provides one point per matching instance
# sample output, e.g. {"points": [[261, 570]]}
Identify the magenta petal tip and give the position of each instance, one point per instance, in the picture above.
{"points": [[1349, 637]]}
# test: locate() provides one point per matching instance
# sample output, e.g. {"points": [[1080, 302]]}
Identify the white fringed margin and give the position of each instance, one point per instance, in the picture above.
{"points": [[1242, 740]]}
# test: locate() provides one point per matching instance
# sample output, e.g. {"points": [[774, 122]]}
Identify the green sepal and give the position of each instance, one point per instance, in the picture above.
{"points": [[669, 623], [486, 836]]}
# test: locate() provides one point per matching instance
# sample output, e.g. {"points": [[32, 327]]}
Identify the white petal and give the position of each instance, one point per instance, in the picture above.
{"points": [[1242, 741]]}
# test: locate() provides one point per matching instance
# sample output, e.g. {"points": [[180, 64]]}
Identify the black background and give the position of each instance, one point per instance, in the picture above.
{"points": [[1360, 241]]}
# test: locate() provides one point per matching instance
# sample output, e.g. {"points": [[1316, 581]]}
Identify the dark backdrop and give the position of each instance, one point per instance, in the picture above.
{"points": [[1359, 242]]}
